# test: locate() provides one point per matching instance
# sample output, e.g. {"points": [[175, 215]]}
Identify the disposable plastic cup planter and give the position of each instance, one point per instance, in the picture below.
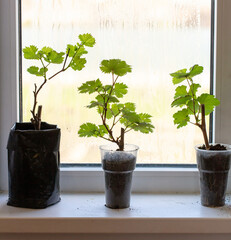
{"points": [[118, 168], [214, 169]]}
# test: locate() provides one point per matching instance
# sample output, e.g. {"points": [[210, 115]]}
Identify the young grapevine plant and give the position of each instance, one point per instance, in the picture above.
{"points": [[192, 105], [73, 58], [111, 111]]}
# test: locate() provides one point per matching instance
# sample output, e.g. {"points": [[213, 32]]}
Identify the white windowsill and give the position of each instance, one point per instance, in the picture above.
{"points": [[149, 213]]}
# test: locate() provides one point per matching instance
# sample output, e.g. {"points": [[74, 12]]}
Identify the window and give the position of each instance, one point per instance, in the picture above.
{"points": [[156, 37], [89, 179]]}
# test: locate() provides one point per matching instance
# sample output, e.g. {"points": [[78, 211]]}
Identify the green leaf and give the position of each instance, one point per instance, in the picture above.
{"points": [[107, 88], [178, 102], [181, 118], [78, 63], [103, 98], [145, 117], [102, 130], [142, 123], [94, 104], [209, 101], [46, 50], [100, 109], [56, 57], [120, 89], [88, 130], [36, 71], [109, 113], [30, 52], [71, 50], [195, 70], [143, 127], [180, 91], [130, 106], [90, 86], [131, 116], [116, 66], [112, 99], [193, 89], [87, 39], [179, 76], [80, 51], [191, 106], [116, 108]]}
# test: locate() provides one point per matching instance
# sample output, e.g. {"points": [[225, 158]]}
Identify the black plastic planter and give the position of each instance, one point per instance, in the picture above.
{"points": [[214, 169], [33, 165], [118, 170]]}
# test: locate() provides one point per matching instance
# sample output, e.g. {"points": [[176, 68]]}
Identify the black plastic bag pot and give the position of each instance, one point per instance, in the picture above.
{"points": [[213, 169], [33, 165], [118, 170]]}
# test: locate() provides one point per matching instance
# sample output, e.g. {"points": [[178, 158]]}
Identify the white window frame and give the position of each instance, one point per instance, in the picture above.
{"points": [[91, 179]]}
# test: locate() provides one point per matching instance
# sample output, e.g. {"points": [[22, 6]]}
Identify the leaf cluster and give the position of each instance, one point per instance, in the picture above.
{"points": [[187, 98], [108, 105], [47, 56]]}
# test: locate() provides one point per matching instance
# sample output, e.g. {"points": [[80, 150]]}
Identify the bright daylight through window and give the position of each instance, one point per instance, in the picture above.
{"points": [[155, 37]]}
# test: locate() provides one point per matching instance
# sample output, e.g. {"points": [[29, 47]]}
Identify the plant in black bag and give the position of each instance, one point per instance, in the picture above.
{"points": [[33, 147]]}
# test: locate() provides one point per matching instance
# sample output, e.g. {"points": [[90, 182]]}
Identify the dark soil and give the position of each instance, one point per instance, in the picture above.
{"points": [[119, 161], [217, 147], [118, 168]]}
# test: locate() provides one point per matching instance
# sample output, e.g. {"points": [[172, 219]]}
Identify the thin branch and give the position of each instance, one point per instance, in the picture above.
{"points": [[108, 139], [194, 109]]}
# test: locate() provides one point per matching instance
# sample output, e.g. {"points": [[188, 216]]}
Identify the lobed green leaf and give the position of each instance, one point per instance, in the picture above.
{"points": [[131, 116], [193, 89], [181, 118], [192, 106], [78, 63], [30, 52], [88, 130], [120, 89], [143, 127], [195, 70], [36, 71], [179, 76], [90, 86], [55, 57], [116, 66], [130, 106], [209, 101], [71, 49], [46, 50], [180, 91], [180, 101], [87, 39]]}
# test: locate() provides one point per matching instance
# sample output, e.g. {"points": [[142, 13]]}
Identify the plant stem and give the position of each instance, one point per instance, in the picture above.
{"points": [[121, 142], [39, 116], [36, 117], [203, 126], [194, 110]]}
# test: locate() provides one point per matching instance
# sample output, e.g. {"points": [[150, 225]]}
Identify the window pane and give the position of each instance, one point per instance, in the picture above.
{"points": [[156, 37]]}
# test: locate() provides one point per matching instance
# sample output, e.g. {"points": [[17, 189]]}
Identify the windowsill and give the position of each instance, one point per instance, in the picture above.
{"points": [[149, 213]]}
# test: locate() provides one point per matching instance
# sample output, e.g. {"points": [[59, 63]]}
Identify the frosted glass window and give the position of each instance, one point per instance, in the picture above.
{"points": [[156, 37]]}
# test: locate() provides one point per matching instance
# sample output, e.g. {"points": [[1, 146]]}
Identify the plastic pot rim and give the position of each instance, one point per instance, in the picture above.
{"points": [[114, 147], [228, 146]]}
